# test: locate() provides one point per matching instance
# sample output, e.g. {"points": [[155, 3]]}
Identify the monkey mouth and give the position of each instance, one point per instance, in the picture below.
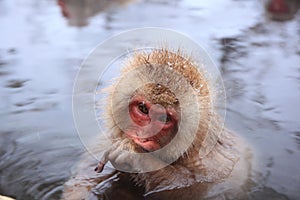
{"points": [[148, 144], [142, 140]]}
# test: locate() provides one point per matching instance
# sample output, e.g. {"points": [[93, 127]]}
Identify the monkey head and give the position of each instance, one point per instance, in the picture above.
{"points": [[162, 104]]}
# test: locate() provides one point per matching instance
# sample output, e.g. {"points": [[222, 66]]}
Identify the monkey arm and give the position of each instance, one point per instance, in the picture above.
{"points": [[84, 179], [122, 156]]}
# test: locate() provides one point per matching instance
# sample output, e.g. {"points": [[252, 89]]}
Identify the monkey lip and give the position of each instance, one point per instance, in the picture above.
{"points": [[149, 144], [142, 139]]}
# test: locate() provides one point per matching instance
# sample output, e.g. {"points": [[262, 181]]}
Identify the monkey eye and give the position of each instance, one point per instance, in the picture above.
{"points": [[164, 118], [143, 108]]}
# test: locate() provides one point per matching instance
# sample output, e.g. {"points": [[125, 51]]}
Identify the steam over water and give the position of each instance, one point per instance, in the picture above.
{"points": [[42, 44]]}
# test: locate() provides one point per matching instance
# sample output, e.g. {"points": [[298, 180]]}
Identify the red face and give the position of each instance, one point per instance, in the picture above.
{"points": [[278, 6], [153, 125]]}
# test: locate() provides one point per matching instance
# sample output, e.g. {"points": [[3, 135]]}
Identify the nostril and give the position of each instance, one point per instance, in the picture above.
{"points": [[164, 118], [160, 114]]}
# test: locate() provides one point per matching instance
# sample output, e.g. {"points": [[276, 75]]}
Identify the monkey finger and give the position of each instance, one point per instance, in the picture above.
{"points": [[109, 154], [100, 166]]}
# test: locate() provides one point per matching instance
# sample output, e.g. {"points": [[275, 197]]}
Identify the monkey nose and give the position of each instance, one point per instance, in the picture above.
{"points": [[156, 109], [153, 127]]}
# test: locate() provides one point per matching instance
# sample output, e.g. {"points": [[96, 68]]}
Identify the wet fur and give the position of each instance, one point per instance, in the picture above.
{"points": [[215, 165]]}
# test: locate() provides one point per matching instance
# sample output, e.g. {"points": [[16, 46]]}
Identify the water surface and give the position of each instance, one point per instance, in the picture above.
{"points": [[42, 44]]}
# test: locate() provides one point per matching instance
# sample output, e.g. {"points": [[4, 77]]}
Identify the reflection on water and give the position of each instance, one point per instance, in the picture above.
{"points": [[40, 54], [78, 11], [282, 10], [16, 83]]}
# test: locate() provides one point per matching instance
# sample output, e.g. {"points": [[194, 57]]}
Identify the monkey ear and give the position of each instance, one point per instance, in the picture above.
{"points": [[212, 136], [208, 144]]}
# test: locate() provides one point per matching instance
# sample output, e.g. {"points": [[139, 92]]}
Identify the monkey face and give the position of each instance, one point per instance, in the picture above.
{"points": [[153, 125], [157, 108]]}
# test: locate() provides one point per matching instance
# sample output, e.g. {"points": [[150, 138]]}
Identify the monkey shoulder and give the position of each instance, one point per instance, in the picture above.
{"points": [[237, 151], [221, 174]]}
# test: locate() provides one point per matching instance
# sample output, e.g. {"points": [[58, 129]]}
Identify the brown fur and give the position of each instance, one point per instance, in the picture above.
{"points": [[216, 158]]}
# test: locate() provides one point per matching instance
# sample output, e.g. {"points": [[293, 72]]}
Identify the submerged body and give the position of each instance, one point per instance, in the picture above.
{"points": [[166, 134]]}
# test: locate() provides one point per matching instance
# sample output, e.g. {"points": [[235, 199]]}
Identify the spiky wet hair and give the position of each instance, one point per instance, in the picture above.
{"points": [[181, 82]]}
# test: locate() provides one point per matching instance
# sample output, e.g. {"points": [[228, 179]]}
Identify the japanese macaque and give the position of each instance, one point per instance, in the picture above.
{"points": [[167, 140], [281, 10], [78, 12]]}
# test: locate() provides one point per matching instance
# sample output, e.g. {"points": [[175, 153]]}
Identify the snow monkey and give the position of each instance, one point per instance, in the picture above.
{"points": [[167, 140]]}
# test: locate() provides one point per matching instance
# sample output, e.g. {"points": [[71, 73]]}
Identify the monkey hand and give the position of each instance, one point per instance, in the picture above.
{"points": [[124, 158]]}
